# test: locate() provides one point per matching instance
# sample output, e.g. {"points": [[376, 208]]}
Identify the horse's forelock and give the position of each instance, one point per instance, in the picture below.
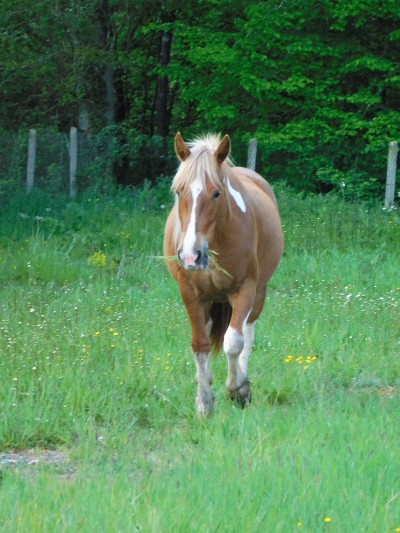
{"points": [[209, 142], [200, 165]]}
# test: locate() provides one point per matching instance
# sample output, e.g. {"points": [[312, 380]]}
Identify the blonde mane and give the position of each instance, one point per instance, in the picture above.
{"points": [[201, 164]]}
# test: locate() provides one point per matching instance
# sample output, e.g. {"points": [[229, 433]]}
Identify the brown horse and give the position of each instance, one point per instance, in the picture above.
{"points": [[225, 234]]}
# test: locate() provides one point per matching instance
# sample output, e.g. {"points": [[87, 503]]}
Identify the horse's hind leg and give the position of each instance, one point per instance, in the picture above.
{"points": [[243, 393], [247, 347]]}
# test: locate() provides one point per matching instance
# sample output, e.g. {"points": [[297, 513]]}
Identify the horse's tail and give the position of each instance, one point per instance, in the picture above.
{"points": [[220, 314]]}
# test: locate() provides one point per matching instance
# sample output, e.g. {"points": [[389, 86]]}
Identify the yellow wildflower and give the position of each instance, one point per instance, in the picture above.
{"points": [[98, 260]]}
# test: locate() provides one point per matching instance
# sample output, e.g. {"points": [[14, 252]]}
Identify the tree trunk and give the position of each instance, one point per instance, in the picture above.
{"points": [[110, 95], [107, 39], [163, 113]]}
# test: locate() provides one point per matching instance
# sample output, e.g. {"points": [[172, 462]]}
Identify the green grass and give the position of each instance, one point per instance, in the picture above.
{"points": [[95, 361]]}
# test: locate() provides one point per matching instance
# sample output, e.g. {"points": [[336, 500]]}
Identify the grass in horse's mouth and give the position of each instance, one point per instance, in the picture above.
{"points": [[214, 263], [210, 254]]}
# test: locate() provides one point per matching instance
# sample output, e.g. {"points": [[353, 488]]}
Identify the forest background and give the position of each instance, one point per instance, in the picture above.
{"points": [[316, 82]]}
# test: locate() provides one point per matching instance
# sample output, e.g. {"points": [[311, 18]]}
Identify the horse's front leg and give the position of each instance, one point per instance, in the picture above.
{"points": [[201, 351], [238, 343]]}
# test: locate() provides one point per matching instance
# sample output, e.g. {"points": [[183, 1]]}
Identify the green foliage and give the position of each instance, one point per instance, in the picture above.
{"points": [[13, 150], [310, 90], [317, 84]]}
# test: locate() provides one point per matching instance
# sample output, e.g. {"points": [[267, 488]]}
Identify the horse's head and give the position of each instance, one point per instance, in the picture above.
{"points": [[200, 197]]}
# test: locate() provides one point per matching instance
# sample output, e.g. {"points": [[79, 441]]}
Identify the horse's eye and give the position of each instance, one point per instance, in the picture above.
{"points": [[216, 194]]}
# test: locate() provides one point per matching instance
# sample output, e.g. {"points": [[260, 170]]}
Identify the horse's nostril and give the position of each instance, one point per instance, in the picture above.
{"points": [[199, 257], [192, 260]]}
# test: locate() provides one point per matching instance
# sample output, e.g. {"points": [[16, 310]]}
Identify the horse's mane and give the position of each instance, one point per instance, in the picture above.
{"points": [[201, 164]]}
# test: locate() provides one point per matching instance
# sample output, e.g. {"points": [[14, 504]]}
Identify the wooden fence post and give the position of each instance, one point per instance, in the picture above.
{"points": [[30, 167], [73, 161], [391, 174], [252, 154]]}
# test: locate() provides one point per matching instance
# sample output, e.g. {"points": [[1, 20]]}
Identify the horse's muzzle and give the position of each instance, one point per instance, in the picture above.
{"points": [[196, 261]]}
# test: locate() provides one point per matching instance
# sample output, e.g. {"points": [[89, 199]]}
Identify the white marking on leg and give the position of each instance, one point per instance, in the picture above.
{"points": [[188, 254], [247, 348], [234, 344], [202, 361], [205, 399], [236, 196]]}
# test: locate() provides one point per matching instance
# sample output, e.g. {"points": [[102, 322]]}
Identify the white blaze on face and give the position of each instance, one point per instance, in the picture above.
{"points": [[236, 196], [188, 254]]}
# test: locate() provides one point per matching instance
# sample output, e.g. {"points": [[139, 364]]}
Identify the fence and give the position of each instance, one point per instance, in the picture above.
{"points": [[55, 161], [391, 175]]}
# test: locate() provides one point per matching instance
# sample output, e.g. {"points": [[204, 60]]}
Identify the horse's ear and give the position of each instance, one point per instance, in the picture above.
{"points": [[223, 150], [182, 151]]}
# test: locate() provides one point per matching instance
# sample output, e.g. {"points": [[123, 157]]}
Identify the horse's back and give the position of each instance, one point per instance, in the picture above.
{"points": [[262, 198], [257, 180]]}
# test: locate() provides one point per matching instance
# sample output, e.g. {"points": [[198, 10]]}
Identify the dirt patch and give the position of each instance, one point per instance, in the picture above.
{"points": [[28, 460]]}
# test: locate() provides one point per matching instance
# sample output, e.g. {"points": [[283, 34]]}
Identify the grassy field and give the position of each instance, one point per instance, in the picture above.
{"points": [[96, 364]]}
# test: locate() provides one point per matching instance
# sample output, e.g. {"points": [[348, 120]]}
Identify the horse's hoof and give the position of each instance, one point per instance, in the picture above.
{"points": [[241, 395], [205, 403]]}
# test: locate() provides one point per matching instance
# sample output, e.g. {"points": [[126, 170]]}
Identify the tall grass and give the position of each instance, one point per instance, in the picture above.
{"points": [[95, 361]]}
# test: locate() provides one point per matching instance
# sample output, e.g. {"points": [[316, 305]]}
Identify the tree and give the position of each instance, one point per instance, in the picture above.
{"points": [[318, 84]]}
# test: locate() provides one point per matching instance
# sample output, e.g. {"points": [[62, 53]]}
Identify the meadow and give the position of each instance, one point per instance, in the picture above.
{"points": [[96, 365]]}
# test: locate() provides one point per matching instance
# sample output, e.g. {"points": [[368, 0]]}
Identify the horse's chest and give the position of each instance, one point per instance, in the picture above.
{"points": [[212, 288]]}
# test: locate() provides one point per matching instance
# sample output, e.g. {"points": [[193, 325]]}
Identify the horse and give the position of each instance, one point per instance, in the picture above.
{"points": [[222, 243]]}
